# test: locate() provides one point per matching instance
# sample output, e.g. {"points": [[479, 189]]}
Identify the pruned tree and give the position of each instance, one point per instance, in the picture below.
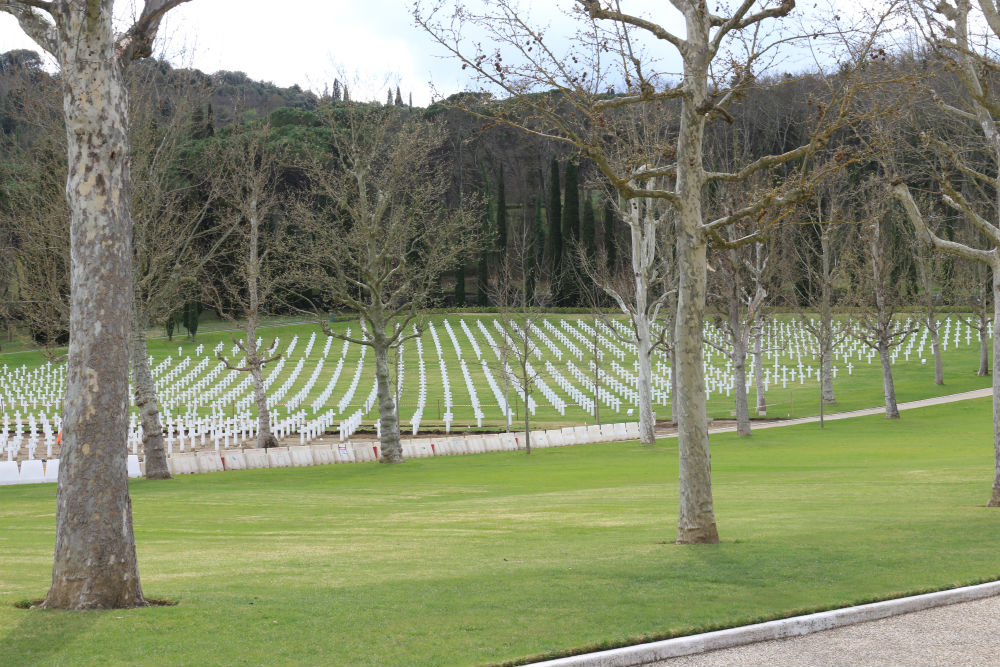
{"points": [[250, 276], [879, 292], [171, 244], [720, 56], [95, 564], [520, 312], [738, 294], [383, 235]]}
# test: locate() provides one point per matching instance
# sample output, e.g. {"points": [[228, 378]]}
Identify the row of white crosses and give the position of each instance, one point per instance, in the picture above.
{"points": [[581, 399], [22, 388], [562, 338], [30, 433], [192, 384], [601, 392], [448, 416], [418, 413]]}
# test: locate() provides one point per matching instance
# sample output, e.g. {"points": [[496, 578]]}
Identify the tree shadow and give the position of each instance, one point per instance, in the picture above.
{"points": [[41, 635]]}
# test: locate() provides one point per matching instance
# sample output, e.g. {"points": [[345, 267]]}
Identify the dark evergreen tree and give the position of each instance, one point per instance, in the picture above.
{"points": [[588, 228], [210, 121], [399, 98], [388, 98], [483, 277], [501, 227], [336, 90], [610, 234], [168, 325], [553, 241], [192, 312], [347, 94], [568, 293], [460, 284]]}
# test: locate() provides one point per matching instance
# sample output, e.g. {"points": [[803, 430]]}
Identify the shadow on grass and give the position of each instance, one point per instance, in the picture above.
{"points": [[41, 636]]}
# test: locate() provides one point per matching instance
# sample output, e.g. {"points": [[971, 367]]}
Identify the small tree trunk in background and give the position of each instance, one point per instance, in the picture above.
{"points": [[936, 349], [888, 388], [758, 372], [647, 432], [392, 449], [826, 322], [95, 564], [265, 439], [740, 386], [154, 453], [527, 420], [984, 350]]}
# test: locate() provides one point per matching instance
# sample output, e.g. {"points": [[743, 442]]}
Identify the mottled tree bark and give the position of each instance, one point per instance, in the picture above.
{"points": [[255, 366], [95, 563], [984, 351], [740, 387], [392, 449], [144, 388]]}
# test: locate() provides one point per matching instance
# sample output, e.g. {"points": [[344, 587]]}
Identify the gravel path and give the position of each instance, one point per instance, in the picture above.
{"points": [[967, 633]]}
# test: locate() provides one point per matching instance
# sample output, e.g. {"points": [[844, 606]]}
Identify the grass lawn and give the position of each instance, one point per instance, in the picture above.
{"points": [[501, 557]]}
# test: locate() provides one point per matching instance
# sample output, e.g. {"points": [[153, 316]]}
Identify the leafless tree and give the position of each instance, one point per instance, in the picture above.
{"points": [[250, 277], [95, 564], [720, 57], [383, 236], [171, 243]]}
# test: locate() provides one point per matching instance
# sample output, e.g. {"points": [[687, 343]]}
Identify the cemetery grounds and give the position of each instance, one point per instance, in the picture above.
{"points": [[502, 558]]}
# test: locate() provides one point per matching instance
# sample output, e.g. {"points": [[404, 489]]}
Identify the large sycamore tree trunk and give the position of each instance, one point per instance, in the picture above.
{"points": [[888, 386], [95, 563], [758, 370], [144, 388], [995, 495], [696, 519]]}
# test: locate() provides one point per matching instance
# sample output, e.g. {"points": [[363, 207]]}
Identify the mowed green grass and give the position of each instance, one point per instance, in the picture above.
{"points": [[500, 557]]}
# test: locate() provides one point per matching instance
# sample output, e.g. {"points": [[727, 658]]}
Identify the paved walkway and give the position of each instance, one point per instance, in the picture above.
{"points": [[967, 633], [909, 405]]}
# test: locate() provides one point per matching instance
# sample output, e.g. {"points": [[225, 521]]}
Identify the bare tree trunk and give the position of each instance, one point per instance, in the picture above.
{"points": [[758, 372], [696, 519], [392, 450], [643, 230], [740, 386], [527, 414], [647, 433], [984, 355], [826, 322], [888, 387], [154, 453], [95, 564], [254, 365], [995, 495], [673, 381], [936, 349]]}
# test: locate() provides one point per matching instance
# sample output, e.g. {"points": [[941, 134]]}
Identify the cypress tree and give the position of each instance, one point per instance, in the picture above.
{"points": [[460, 284], [399, 98], [568, 292], [534, 253], [482, 277], [571, 208], [588, 229], [610, 235], [501, 215], [388, 98], [553, 240], [210, 121]]}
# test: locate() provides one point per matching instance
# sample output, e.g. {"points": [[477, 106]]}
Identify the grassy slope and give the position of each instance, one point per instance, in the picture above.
{"points": [[863, 389], [479, 559]]}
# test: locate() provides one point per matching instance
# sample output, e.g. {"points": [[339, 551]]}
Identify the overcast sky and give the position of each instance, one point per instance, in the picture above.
{"points": [[309, 42]]}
